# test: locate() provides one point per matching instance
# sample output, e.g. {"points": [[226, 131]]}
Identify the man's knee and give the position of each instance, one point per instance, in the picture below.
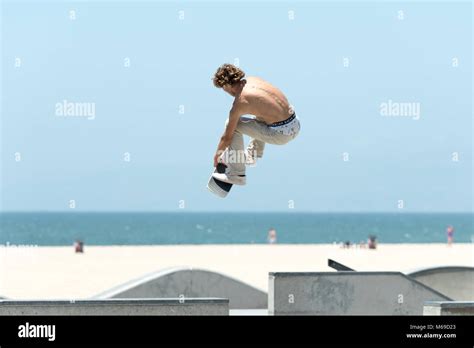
{"points": [[238, 128], [244, 127]]}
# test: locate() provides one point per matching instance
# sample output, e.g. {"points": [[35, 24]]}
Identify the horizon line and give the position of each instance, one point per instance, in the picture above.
{"points": [[289, 211]]}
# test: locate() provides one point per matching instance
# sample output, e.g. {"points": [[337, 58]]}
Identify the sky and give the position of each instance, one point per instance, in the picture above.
{"points": [[144, 69]]}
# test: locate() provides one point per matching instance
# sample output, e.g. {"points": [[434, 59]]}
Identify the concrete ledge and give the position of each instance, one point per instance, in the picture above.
{"points": [[347, 293], [169, 306], [448, 308]]}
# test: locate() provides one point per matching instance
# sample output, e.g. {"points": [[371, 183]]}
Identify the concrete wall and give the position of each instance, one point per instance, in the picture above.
{"points": [[191, 282], [455, 282], [449, 308], [347, 293], [208, 306]]}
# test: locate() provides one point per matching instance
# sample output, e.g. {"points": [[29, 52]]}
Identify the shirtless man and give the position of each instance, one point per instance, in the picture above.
{"points": [[275, 122]]}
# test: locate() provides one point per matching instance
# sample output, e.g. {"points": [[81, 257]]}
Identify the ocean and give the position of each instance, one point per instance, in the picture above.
{"points": [[229, 228]]}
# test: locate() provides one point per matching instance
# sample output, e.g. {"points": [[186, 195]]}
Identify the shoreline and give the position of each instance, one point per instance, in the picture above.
{"points": [[336, 244]]}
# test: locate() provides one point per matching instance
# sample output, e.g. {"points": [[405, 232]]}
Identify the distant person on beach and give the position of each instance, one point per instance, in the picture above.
{"points": [[450, 234], [272, 236], [372, 242], [275, 122], [78, 246]]}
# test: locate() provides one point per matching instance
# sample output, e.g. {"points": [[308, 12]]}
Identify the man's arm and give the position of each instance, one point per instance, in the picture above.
{"points": [[226, 138]]}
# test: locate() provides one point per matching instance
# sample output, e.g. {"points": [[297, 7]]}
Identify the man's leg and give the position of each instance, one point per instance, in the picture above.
{"points": [[234, 158], [254, 150], [261, 134], [234, 155], [256, 147]]}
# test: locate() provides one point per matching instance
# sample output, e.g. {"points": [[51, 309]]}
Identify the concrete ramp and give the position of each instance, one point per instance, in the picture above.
{"points": [[190, 282], [188, 306], [456, 282], [348, 293]]}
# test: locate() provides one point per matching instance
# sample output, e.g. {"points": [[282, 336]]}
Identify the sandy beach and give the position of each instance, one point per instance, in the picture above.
{"points": [[59, 273]]}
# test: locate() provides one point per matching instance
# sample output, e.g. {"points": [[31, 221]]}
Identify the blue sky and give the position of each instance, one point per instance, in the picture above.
{"points": [[403, 57]]}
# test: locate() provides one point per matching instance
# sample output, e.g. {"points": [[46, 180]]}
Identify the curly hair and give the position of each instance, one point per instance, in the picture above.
{"points": [[227, 74]]}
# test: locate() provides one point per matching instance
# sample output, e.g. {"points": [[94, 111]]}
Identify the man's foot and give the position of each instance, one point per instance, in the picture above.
{"points": [[231, 179], [251, 158]]}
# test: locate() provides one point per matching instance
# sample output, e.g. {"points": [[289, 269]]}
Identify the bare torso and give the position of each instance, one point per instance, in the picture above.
{"points": [[264, 101]]}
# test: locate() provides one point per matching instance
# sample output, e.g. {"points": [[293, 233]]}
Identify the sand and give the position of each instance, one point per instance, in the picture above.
{"points": [[59, 273]]}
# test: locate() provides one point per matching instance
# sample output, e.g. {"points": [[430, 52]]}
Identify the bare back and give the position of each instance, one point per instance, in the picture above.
{"points": [[265, 101]]}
